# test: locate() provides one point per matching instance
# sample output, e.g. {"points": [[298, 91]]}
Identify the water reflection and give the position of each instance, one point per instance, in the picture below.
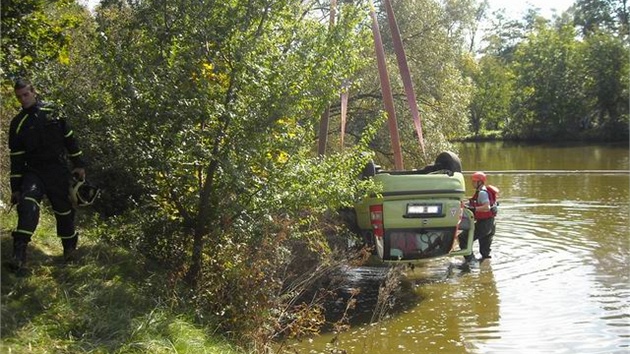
{"points": [[559, 279], [552, 278], [456, 310], [491, 156]]}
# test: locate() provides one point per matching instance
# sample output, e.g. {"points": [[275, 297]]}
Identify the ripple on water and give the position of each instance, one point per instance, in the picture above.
{"points": [[558, 282], [553, 281]]}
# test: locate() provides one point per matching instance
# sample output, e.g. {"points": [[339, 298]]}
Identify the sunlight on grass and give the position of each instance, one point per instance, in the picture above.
{"points": [[159, 332], [109, 301]]}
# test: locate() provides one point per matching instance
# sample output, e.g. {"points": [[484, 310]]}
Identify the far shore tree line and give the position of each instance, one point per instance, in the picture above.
{"points": [[559, 79]]}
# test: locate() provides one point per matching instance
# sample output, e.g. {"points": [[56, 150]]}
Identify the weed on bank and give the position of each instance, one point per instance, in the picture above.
{"points": [[108, 301]]}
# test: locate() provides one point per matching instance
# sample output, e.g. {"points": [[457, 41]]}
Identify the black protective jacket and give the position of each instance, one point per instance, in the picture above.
{"points": [[40, 138]]}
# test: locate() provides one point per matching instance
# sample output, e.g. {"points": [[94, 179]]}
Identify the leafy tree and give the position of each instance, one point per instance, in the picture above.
{"points": [[504, 34], [217, 99], [548, 96], [210, 123], [559, 78], [34, 34], [480, 15], [433, 37], [601, 15], [607, 70], [490, 107]]}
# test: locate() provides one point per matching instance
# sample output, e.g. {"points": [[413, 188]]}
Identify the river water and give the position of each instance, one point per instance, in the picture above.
{"points": [[558, 280]]}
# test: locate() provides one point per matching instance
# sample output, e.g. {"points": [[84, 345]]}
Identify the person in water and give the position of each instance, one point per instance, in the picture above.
{"points": [[484, 207]]}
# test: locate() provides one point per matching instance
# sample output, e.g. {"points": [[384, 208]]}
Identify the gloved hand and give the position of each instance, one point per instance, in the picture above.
{"points": [[15, 198], [79, 173]]}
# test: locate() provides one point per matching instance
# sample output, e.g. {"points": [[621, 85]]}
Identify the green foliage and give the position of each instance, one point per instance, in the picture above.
{"points": [[235, 96], [198, 119], [432, 34], [602, 15], [540, 80], [606, 66], [547, 84], [490, 107], [206, 126], [34, 34]]}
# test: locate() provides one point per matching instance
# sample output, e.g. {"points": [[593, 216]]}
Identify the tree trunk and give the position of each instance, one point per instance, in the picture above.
{"points": [[202, 223], [206, 209], [323, 132]]}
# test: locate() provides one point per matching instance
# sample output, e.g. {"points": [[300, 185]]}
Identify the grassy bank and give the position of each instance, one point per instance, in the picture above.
{"points": [[109, 301]]}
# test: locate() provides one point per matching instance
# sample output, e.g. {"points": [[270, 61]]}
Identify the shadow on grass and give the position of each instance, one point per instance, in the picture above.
{"points": [[99, 303]]}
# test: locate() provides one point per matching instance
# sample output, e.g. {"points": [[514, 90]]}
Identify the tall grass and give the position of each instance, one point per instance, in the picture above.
{"points": [[114, 300], [109, 301]]}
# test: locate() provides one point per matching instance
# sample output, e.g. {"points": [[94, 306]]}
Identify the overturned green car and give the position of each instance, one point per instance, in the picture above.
{"points": [[419, 213]]}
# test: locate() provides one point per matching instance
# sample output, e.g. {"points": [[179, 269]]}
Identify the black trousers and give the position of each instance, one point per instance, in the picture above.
{"points": [[484, 232], [54, 183]]}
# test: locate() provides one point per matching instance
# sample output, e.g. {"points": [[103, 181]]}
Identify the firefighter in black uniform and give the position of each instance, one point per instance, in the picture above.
{"points": [[40, 143]]}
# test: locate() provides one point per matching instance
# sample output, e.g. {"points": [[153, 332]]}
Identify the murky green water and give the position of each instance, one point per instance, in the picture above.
{"points": [[559, 279]]}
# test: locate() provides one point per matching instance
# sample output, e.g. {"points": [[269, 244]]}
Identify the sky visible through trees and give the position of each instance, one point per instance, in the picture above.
{"points": [[516, 9]]}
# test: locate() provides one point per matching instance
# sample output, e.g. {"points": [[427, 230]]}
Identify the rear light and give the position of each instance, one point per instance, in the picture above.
{"points": [[376, 219]]}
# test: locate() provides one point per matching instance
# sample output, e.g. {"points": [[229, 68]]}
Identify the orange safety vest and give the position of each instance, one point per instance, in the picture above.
{"points": [[481, 215]]}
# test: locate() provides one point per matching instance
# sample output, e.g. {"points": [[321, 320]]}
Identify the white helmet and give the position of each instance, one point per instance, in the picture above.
{"points": [[82, 193]]}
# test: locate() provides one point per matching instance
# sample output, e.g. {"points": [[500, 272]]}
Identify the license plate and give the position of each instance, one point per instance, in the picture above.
{"points": [[424, 210]]}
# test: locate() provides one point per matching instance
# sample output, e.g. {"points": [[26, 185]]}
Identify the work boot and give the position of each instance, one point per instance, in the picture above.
{"points": [[19, 254], [70, 248], [18, 260], [470, 258]]}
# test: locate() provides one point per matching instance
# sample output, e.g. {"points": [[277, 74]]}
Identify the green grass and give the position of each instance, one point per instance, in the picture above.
{"points": [[109, 301]]}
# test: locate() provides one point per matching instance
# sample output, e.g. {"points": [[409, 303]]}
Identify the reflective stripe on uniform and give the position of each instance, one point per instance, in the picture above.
{"points": [[16, 176], [76, 154], [32, 200], [69, 133], [20, 125], [30, 233], [63, 213], [67, 237], [16, 153]]}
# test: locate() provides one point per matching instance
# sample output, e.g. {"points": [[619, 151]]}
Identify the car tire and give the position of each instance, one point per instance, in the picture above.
{"points": [[448, 160]]}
